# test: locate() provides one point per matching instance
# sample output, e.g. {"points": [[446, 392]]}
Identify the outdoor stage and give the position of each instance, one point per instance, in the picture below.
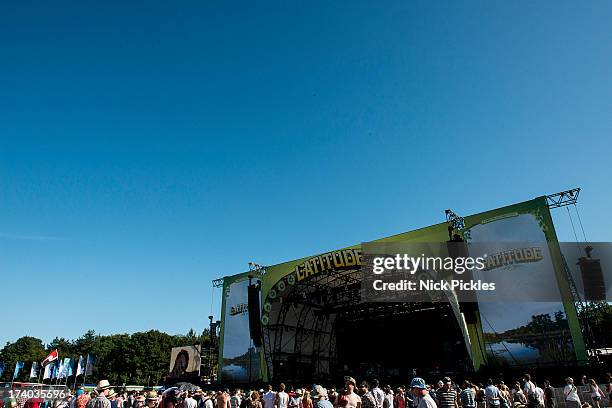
{"points": [[308, 320]]}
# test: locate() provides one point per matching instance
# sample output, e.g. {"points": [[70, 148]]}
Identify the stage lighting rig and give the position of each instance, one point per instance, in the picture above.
{"points": [[455, 224], [257, 269]]}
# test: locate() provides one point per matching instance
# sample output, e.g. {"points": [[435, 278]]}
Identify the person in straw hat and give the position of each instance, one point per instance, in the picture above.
{"points": [[349, 398], [151, 399], [140, 401], [103, 389], [112, 397]]}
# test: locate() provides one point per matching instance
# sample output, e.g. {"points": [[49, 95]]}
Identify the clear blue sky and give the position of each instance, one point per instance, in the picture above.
{"points": [[148, 148]]}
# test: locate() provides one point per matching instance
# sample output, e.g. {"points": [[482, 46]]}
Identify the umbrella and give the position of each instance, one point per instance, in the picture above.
{"points": [[171, 389], [185, 386]]}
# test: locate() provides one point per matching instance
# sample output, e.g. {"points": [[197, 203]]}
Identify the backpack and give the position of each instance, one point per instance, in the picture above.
{"points": [[98, 403]]}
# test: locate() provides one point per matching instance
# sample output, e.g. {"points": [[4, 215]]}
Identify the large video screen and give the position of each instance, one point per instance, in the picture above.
{"points": [[240, 359], [522, 332], [185, 361]]}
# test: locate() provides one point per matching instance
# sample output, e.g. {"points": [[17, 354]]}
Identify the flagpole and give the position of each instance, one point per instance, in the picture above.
{"points": [[58, 368]]}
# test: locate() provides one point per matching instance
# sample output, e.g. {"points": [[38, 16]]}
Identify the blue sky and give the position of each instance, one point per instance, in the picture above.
{"points": [[146, 149]]}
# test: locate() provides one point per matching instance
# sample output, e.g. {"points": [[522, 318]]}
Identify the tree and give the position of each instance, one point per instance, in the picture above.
{"points": [[140, 358], [26, 349]]}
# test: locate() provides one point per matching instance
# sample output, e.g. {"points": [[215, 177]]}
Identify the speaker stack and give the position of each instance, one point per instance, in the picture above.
{"points": [[254, 313]]}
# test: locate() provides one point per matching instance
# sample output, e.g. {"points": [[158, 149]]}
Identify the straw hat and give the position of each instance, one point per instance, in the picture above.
{"points": [[103, 385], [151, 395]]}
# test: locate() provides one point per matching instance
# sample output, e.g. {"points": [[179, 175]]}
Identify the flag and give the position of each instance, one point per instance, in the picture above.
{"points": [[34, 370], [66, 370], [51, 357], [18, 366], [91, 360], [47, 373], [80, 366], [60, 369], [70, 368], [55, 369], [1, 368]]}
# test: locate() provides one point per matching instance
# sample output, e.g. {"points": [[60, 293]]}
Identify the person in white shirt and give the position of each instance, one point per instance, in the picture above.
{"points": [[529, 389], [492, 395], [570, 392], [282, 398], [595, 393], [190, 402], [378, 394], [389, 397], [540, 394], [269, 398]]}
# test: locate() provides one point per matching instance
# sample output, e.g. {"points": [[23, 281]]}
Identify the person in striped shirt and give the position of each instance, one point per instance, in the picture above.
{"points": [[446, 396], [468, 395]]}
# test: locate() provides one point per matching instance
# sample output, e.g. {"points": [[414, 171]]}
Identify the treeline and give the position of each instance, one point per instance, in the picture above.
{"points": [[598, 315], [140, 358]]}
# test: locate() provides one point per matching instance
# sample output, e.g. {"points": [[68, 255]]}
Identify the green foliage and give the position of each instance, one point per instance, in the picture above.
{"points": [[140, 358], [24, 349], [599, 317]]}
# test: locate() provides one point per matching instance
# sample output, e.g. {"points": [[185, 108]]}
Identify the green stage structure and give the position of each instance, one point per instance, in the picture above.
{"points": [[315, 326]]}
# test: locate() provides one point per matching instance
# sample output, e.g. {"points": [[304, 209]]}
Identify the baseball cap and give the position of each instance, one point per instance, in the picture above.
{"points": [[447, 380]]}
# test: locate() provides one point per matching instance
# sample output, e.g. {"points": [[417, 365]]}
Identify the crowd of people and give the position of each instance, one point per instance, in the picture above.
{"points": [[523, 393], [446, 393]]}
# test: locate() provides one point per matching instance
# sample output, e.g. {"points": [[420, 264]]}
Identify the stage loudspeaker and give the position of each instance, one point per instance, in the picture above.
{"points": [[457, 248], [254, 315], [592, 279]]}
